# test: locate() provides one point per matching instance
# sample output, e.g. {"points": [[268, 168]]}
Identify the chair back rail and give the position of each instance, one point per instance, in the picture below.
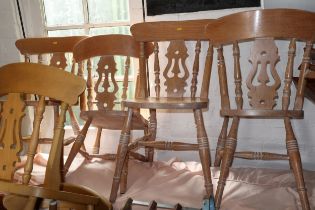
{"points": [[263, 23], [176, 71], [104, 92], [43, 45], [263, 28], [45, 83], [56, 46]]}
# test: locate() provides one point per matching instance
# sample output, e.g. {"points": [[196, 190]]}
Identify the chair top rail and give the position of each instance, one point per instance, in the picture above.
{"points": [[42, 45], [114, 44], [171, 30], [277, 23], [41, 80]]}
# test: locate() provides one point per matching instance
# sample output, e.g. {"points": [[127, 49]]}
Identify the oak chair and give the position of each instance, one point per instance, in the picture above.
{"points": [[102, 107], [169, 95], [261, 28], [53, 51], [44, 81]]}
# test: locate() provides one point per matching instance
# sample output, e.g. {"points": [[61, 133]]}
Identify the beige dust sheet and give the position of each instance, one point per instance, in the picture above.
{"points": [[182, 182]]}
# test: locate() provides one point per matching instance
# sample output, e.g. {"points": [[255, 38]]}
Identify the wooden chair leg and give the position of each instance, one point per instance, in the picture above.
{"points": [[228, 155], [74, 121], [97, 143], [31, 203], [121, 155], [204, 151], [124, 175], [56, 115], [152, 131], [76, 146], [296, 164], [221, 142]]}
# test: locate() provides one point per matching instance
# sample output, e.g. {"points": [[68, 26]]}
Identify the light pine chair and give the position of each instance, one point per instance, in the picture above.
{"points": [[262, 28], [44, 81], [102, 107], [57, 52], [183, 79]]}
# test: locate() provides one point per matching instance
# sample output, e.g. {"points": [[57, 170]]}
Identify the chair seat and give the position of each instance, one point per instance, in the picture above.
{"points": [[167, 103], [114, 120], [271, 114]]}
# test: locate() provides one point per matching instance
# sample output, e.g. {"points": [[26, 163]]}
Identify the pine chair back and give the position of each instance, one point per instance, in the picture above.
{"points": [[111, 54], [263, 79], [177, 76]]}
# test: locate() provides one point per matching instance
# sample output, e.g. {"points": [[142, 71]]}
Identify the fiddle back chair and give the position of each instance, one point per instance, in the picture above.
{"points": [[177, 35], [45, 81], [102, 107], [55, 51], [262, 28]]}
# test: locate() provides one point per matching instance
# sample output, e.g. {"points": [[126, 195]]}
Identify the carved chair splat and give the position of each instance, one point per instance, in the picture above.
{"points": [[102, 107], [29, 78], [179, 80], [263, 80]]}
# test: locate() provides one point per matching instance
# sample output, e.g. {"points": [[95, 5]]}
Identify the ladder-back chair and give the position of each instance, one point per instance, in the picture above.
{"points": [[180, 78], [261, 28], [44, 81], [53, 51], [102, 107]]}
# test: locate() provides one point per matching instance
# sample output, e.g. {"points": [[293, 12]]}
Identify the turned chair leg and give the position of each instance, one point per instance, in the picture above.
{"points": [[97, 143], [221, 142], [121, 155], [56, 115], [204, 151], [76, 146], [296, 164], [152, 130], [228, 155], [124, 175]]}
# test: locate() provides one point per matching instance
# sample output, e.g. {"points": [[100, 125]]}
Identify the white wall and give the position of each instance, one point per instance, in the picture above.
{"points": [[254, 134], [9, 32]]}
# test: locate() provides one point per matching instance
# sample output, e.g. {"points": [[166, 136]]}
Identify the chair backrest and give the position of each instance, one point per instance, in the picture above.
{"points": [[262, 28], [55, 47], [45, 81], [178, 36], [111, 57]]}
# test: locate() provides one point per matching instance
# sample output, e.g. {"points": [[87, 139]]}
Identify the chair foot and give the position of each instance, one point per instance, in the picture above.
{"points": [[208, 204]]}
